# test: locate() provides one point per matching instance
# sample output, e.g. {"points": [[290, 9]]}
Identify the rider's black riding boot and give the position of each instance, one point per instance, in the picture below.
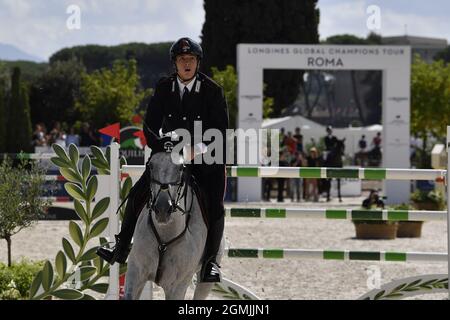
{"points": [[123, 240], [210, 269]]}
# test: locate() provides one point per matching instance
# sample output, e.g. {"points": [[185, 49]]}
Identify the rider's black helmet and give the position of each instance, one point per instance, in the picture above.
{"points": [[185, 45]]}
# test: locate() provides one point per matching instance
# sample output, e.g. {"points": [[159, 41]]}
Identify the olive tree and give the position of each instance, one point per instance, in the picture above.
{"points": [[21, 202]]}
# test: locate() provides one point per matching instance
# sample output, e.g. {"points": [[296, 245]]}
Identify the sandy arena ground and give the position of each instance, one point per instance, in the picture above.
{"points": [[284, 279]]}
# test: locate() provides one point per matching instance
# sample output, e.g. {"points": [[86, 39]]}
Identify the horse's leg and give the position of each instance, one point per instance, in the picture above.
{"points": [[202, 289], [328, 189], [339, 189], [135, 280], [177, 292]]}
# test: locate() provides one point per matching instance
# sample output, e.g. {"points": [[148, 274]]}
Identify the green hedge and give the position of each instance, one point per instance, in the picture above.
{"points": [[16, 280]]}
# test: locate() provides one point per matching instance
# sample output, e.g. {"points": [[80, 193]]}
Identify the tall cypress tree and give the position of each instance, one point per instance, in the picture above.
{"points": [[13, 112], [2, 119], [25, 120], [228, 23], [18, 136]]}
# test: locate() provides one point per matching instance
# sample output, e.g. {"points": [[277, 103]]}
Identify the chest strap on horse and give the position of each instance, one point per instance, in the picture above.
{"points": [[162, 246]]}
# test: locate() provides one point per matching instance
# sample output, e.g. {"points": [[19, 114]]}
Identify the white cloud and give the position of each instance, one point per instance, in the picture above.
{"points": [[393, 23], [128, 33], [16, 9], [343, 17], [153, 5], [28, 26], [39, 26], [350, 17], [194, 17]]}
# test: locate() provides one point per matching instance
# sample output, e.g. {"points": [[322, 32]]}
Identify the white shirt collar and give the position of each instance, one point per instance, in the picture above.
{"points": [[182, 85]]}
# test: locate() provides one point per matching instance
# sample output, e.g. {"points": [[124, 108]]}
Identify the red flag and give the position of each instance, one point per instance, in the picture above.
{"points": [[141, 136], [112, 131]]}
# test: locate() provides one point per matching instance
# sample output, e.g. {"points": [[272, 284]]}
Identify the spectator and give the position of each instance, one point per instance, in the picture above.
{"points": [[330, 139], [291, 143], [373, 200], [281, 181], [376, 142], [330, 142], [72, 137], [39, 136], [87, 137], [361, 155], [299, 137], [312, 161], [54, 133], [282, 138], [296, 183], [266, 182], [313, 143], [61, 139], [375, 153], [362, 144]]}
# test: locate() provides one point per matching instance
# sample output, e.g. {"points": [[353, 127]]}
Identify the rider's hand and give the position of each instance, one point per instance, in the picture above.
{"points": [[188, 153]]}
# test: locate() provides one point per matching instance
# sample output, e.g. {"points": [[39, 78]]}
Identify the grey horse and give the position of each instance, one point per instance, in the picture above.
{"points": [[175, 218]]}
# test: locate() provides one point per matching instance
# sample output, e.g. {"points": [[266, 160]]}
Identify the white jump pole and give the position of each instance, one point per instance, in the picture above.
{"points": [[114, 182], [448, 205], [147, 292]]}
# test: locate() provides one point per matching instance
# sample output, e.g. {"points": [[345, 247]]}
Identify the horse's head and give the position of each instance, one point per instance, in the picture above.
{"points": [[166, 186]]}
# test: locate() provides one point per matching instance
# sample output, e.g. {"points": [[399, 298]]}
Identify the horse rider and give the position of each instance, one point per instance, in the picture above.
{"points": [[330, 142], [178, 100]]}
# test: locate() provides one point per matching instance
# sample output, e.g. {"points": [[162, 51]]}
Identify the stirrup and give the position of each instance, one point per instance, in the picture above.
{"points": [[210, 272], [115, 254]]}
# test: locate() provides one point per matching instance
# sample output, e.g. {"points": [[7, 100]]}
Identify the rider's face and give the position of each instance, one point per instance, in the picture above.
{"points": [[186, 66]]}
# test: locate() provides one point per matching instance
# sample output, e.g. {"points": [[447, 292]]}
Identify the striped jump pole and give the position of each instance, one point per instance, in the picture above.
{"points": [[54, 177], [58, 199], [320, 173], [343, 255], [30, 156], [324, 173], [339, 214]]}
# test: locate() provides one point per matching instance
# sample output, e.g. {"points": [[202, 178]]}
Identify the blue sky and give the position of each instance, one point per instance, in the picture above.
{"points": [[38, 27]]}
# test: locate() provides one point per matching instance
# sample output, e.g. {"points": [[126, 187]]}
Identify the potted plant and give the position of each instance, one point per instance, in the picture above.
{"points": [[371, 229], [427, 200], [375, 229], [422, 200]]}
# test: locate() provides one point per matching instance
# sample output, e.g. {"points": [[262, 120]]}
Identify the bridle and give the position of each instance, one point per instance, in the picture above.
{"points": [[164, 187], [182, 189]]}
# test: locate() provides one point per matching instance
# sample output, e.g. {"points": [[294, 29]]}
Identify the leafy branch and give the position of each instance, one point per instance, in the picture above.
{"points": [[415, 285], [78, 268], [227, 292]]}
